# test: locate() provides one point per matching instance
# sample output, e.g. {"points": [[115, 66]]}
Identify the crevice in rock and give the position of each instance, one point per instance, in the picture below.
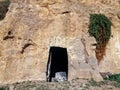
{"points": [[8, 36], [65, 12], [118, 15], [94, 44], [9, 33], [25, 46], [19, 38], [85, 50]]}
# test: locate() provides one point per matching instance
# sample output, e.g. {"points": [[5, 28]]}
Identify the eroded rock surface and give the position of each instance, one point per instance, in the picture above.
{"points": [[32, 26]]}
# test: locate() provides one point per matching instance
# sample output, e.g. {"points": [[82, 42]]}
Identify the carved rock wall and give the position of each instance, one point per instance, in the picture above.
{"points": [[32, 26]]}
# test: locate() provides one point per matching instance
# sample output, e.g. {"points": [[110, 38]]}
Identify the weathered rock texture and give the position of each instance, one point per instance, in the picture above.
{"points": [[32, 26]]}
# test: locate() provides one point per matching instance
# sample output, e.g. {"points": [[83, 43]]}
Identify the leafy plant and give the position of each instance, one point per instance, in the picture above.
{"points": [[4, 88], [116, 84], [115, 77], [94, 83], [100, 29], [5, 3], [99, 23]]}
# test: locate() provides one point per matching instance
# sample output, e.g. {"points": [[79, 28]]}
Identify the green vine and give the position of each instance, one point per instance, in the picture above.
{"points": [[99, 22], [100, 29]]}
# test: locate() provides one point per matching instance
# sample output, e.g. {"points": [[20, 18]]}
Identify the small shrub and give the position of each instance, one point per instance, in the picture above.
{"points": [[4, 88], [93, 83], [4, 8], [116, 84], [99, 84], [100, 29], [115, 77], [1, 88], [43, 87], [98, 23]]}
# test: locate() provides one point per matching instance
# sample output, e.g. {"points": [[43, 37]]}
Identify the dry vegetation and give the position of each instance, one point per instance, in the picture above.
{"points": [[76, 84]]}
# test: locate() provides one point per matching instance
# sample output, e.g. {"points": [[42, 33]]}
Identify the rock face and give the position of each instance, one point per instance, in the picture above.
{"points": [[31, 27]]}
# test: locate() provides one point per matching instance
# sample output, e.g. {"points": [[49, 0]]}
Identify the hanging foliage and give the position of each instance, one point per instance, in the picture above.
{"points": [[100, 29]]}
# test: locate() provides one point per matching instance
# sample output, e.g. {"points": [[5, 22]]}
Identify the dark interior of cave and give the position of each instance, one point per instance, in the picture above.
{"points": [[57, 62]]}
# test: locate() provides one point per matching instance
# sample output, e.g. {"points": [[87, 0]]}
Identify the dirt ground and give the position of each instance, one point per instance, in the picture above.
{"points": [[76, 84]]}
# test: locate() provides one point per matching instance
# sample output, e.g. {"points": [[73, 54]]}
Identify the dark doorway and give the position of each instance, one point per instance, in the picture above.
{"points": [[57, 62]]}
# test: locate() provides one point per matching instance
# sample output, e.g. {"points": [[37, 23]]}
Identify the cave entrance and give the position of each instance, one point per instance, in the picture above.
{"points": [[57, 65]]}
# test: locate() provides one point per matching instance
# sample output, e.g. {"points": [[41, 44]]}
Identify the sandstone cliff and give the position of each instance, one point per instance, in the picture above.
{"points": [[31, 27]]}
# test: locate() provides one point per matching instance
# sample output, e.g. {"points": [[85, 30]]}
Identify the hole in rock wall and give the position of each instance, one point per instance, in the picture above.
{"points": [[4, 4], [57, 66], [9, 36]]}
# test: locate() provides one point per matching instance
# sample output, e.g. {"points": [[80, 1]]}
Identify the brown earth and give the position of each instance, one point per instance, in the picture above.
{"points": [[76, 84]]}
